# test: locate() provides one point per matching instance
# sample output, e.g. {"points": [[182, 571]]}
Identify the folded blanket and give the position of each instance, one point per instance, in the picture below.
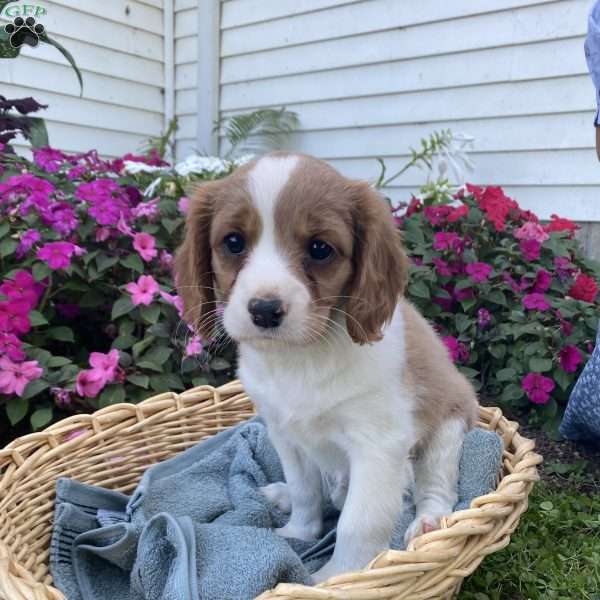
{"points": [[197, 526], [581, 420]]}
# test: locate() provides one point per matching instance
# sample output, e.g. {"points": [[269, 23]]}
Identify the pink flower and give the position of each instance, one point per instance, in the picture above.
{"points": [[183, 205], [194, 346], [531, 231], [11, 346], [530, 249], [457, 350], [484, 318], [143, 291], [147, 209], [478, 271], [543, 279], [444, 241], [14, 377], [14, 317], [102, 234], [564, 267], [58, 255], [535, 301], [105, 364], [174, 300], [166, 260], [145, 244], [570, 358], [89, 383], [537, 387], [441, 266], [123, 227], [27, 240], [22, 288]]}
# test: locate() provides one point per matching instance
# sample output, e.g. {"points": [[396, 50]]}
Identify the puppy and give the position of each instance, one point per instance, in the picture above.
{"points": [[348, 376]]}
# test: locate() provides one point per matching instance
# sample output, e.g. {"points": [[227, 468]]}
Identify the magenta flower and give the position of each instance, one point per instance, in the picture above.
{"points": [[102, 234], [106, 199], [57, 255], [77, 172], [11, 346], [194, 346], [183, 205], [570, 358], [48, 159], [14, 317], [436, 215], [531, 231], [22, 288], [564, 268], [484, 318], [445, 241], [27, 240], [145, 244], [542, 282], [457, 350], [89, 383], [62, 396], [61, 217], [105, 364], [442, 267], [14, 377], [478, 271], [144, 290], [535, 301], [537, 387], [148, 209], [530, 249]]}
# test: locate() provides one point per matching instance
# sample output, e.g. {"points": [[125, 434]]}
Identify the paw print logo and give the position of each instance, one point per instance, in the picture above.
{"points": [[24, 31]]}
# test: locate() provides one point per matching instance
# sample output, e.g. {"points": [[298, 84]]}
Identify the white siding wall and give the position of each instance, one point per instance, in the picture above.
{"points": [[369, 78], [121, 57]]}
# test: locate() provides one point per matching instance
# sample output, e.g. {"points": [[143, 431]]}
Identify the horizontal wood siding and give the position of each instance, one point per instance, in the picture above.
{"points": [[119, 47], [370, 78]]}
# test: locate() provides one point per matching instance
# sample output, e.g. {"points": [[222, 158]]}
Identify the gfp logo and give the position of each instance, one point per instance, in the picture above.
{"points": [[24, 29]]}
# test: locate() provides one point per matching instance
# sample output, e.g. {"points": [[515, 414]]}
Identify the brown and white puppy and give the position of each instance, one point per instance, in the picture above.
{"points": [[348, 376]]}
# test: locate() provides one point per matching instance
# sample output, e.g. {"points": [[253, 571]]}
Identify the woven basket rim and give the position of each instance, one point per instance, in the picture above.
{"points": [[422, 556]]}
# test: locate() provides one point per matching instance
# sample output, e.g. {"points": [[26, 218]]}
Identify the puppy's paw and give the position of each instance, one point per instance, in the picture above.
{"points": [[422, 524], [278, 495], [308, 533]]}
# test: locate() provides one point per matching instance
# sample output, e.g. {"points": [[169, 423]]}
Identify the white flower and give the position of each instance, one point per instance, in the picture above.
{"points": [[242, 160], [149, 191], [134, 167], [454, 157], [203, 164]]}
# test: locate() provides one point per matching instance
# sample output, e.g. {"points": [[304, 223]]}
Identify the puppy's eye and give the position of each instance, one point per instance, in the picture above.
{"points": [[319, 250], [235, 243]]}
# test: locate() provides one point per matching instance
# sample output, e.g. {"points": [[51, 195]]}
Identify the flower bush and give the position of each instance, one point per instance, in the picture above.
{"points": [[88, 311], [89, 315], [514, 299]]}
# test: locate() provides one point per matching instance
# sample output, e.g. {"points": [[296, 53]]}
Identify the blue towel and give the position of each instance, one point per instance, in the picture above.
{"points": [[581, 420], [197, 526], [592, 52]]}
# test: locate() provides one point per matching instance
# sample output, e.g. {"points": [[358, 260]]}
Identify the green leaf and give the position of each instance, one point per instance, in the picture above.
{"points": [[197, 381], [40, 418], [134, 262], [140, 346], [123, 341], [16, 409], [463, 284], [7, 247], [4, 229], [40, 271], [419, 290], [497, 297], [91, 299], [105, 262], [462, 322], [171, 224], [147, 364], [37, 319], [512, 392], [37, 133], [140, 380], [63, 334], [166, 382], [506, 375], [219, 364], [58, 361], [563, 379], [540, 365], [121, 307], [112, 394], [44, 38], [158, 355], [468, 304], [126, 327], [39, 354], [160, 330], [150, 313], [34, 388]]}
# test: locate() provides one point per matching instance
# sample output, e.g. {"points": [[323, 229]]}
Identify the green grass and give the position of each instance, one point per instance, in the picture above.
{"points": [[553, 555]]}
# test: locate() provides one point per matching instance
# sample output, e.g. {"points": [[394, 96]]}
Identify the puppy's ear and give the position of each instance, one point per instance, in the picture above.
{"points": [[193, 262], [380, 266]]}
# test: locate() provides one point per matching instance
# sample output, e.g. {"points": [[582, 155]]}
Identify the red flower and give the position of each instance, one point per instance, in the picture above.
{"points": [[569, 358], [413, 207], [476, 190], [458, 213], [559, 224], [584, 288], [537, 387], [436, 215], [496, 206]]}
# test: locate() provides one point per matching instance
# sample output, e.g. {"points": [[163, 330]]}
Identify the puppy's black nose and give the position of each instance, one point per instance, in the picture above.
{"points": [[267, 314]]}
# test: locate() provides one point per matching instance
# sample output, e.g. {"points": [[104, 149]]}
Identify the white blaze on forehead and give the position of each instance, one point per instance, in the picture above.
{"points": [[265, 182]]}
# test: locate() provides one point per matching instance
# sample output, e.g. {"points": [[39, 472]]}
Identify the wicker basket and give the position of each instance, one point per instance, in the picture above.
{"points": [[115, 445]]}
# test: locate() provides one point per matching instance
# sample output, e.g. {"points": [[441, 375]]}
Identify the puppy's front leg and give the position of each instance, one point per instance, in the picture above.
{"points": [[374, 502], [303, 479]]}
